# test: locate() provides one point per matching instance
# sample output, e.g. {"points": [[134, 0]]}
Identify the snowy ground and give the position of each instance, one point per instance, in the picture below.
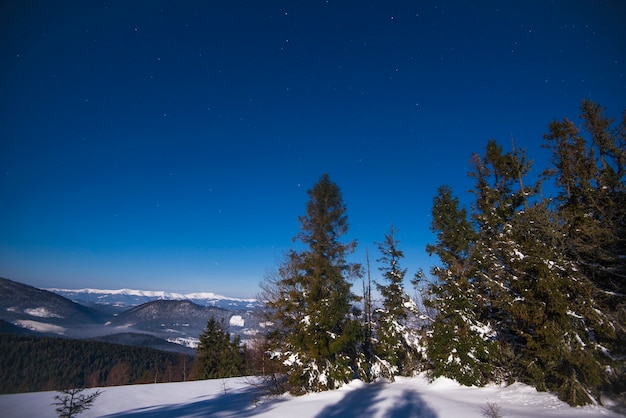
{"points": [[405, 398]]}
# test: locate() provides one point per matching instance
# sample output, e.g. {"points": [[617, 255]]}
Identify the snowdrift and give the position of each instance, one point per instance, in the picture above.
{"points": [[239, 397]]}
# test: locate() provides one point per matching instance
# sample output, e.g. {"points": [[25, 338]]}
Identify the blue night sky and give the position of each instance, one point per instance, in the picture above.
{"points": [[166, 145]]}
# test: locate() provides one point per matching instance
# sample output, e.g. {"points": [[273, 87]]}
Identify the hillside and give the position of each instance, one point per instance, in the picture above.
{"points": [[31, 363], [145, 340], [178, 320], [9, 328], [152, 314], [40, 310], [154, 323]]}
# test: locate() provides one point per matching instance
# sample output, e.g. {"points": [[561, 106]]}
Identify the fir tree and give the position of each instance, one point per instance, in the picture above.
{"points": [[499, 195], [217, 355], [396, 343], [553, 321], [589, 168], [459, 345], [591, 176], [542, 277], [537, 299], [316, 333]]}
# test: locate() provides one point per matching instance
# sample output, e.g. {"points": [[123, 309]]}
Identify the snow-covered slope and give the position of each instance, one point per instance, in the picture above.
{"points": [[237, 397], [182, 321], [42, 311]]}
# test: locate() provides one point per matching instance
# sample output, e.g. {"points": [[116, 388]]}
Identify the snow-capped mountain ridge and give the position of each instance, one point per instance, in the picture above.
{"points": [[156, 294], [123, 315], [127, 298]]}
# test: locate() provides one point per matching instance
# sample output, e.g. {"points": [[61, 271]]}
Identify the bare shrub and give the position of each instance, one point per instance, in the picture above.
{"points": [[72, 402], [492, 410]]}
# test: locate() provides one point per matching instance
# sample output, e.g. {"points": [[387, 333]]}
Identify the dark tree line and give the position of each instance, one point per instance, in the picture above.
{"points": [[31, 364]]}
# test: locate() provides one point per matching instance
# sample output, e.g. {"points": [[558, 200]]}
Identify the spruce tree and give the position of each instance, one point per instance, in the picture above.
{"points": [[553, 321], [316, 334], [499, 196], [459, 346], [589, 169], [395, 340], [543, 277], [538, 301], [217, 355], [591, 176]]}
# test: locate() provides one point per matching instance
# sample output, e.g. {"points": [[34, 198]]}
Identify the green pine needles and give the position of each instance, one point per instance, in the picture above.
{"points": [[531, 288], [396, 345], [217, 354], [529, 283], [317, 334]]}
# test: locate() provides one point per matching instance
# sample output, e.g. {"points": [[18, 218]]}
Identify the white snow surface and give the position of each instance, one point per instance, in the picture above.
{"points": [[41, 313], [189, 342], [236, 321], [39, 326], [238, 397]]}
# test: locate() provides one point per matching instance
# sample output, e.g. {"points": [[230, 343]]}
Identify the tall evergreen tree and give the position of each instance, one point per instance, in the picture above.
{"points": [[543, 277], [499, 196], [591, 176], [395, 341], [589, 168], [553, 321], [316, 333], [459, 345], [538, 301]]}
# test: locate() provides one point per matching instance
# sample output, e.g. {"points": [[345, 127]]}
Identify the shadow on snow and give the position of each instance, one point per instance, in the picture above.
{"points": [[360, 402], [235, 403], [363, 403]]}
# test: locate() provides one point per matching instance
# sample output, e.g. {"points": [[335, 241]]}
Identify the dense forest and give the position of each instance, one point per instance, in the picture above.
{"points": [[30, 364], [529, 285]]}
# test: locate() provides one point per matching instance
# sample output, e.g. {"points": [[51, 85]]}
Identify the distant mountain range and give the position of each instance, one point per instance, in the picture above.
{"points": [[169, 321], [125, 298], [182, 321]]}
